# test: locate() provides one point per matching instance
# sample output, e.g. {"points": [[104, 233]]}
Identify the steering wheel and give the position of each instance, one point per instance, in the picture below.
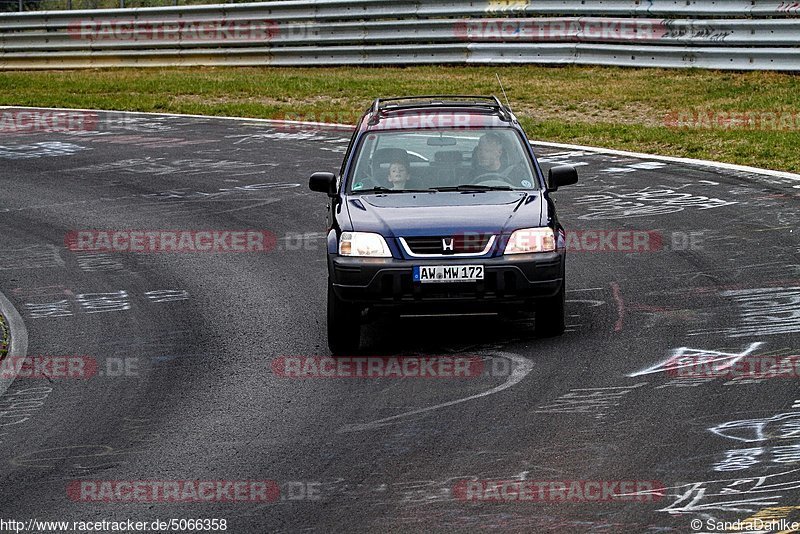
{"points": [[492, 179]]}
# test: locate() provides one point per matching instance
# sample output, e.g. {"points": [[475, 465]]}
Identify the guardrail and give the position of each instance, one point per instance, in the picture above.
{"points": [[741, 35]]}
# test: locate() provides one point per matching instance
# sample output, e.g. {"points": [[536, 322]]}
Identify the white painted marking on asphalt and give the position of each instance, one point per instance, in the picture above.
{"points": [[521, 367], [588, 289], [252, 206], [617, 170], [687, 357], [608, 388], [590, 303]]}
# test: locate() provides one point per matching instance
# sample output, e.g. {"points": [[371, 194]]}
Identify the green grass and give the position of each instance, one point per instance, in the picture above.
{"points": [[611, 107]]}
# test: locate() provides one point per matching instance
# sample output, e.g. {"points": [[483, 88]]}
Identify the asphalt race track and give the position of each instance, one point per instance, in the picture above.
{"points": [[184, 346]]}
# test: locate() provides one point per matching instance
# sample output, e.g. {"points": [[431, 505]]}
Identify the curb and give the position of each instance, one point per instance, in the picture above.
{"points": [[14, 334], [5, 337], [598, 150], [673, 159]]}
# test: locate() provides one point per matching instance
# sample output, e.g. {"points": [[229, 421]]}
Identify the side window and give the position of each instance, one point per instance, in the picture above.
{"points": [[350, 148], [362, 169]]}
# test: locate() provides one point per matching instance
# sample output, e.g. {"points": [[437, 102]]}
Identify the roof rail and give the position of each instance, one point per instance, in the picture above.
{"points": [[426, 101]]}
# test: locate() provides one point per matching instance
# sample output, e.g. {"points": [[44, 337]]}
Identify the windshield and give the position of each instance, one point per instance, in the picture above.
{"points": [[442, 160]]}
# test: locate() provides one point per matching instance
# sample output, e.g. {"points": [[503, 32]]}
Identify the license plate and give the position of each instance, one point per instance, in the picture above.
{"points": [[448, 273]]}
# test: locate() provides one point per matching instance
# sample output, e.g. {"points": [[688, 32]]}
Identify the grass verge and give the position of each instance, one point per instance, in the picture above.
{"points": [[649, 110]]}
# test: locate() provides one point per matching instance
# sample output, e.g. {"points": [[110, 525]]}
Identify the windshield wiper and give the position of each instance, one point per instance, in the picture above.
{"points": [[383, 190], [473, 188]]}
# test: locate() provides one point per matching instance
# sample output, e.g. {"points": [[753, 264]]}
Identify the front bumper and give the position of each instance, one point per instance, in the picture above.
{"points": [[387, 282]]}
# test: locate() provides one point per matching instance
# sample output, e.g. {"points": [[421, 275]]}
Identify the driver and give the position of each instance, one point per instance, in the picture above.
{"points": [[489, 155], [490, 159]]}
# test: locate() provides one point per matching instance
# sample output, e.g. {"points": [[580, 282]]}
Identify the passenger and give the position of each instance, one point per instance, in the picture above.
{"points": [[399, 174]]}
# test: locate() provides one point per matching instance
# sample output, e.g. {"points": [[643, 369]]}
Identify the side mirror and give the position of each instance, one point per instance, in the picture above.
{"points": [[323, 182], [561, 176]]}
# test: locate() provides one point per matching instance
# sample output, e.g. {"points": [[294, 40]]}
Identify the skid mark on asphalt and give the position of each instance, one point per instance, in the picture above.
{"points": [[251, 206], [520, 369], [620, 306]]}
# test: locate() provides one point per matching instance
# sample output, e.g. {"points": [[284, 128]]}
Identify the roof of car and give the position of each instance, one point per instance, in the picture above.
{"points": [[436, 111]]}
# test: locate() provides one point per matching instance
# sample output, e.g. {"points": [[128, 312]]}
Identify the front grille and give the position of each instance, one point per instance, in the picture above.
{"points": [[449, 245]]}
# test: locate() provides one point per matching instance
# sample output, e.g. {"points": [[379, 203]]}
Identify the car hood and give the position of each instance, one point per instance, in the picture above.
{"points": [[446, 213]]}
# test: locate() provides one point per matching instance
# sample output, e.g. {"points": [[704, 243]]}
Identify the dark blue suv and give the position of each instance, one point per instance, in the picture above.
{"points": [[440, 206]]}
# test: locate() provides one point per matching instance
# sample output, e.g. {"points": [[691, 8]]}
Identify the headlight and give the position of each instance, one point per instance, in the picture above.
{"points": [[363, 244], [529, 240]]}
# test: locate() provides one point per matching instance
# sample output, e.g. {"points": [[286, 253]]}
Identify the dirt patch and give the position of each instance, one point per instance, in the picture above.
{"points": [[267, 101], [591, 113]]}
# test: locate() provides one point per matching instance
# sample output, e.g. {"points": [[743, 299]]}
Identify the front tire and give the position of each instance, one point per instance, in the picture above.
{"points": [[551, 314], [344, 325]]}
